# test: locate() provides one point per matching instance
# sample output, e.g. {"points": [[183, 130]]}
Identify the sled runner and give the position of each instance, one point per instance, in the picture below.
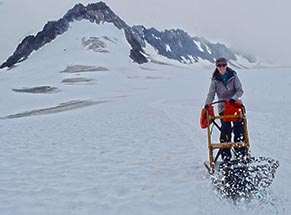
{"points": [[243, 176]]}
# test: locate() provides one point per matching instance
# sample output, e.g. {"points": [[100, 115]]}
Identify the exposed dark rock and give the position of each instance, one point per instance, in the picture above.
{"points": [[78, 80], [66, 106], [83, 68], [136, 43], [179, 45], [41, 89], [95, 44]]}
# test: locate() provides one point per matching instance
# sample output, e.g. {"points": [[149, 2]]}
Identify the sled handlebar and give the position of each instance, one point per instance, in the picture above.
{"points": [[221, 101], [216, 102]]}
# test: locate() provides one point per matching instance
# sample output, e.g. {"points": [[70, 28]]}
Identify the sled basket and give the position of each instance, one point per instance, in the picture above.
{"points": [[233, 112]]}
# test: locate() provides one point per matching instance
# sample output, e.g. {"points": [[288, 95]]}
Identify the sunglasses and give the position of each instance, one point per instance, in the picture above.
{"points": [[221, 65]]}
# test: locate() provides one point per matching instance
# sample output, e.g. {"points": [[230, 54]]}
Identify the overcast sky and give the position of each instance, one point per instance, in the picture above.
{"points": [[259, 27]]}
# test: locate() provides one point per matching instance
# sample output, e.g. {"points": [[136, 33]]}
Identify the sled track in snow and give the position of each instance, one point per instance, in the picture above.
{"points": [[185, 126], [180, 117]]}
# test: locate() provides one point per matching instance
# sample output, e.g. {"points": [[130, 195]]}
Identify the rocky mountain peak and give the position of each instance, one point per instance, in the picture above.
{"points": [[95, 13], [174, 43]]}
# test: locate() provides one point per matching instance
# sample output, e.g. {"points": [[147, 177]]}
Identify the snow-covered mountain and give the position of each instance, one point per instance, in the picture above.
{"points": [[172, 44]]}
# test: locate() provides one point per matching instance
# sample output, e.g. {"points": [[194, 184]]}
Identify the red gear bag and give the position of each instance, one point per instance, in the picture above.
{"points": [[203, 118], [232, 109]]}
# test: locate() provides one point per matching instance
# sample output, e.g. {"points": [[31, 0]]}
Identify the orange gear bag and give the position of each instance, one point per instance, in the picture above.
{"points": [[203, 118], [232, 109]]}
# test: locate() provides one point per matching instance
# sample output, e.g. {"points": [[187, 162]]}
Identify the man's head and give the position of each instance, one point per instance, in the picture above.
{"points": [[221, 64]]}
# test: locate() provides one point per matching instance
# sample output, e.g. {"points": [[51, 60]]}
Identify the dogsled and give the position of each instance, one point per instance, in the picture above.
{"points": [[242, 176]]}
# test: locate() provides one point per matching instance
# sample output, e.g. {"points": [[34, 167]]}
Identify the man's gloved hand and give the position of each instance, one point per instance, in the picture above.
{"points": [[231, 101], [206, 106]]}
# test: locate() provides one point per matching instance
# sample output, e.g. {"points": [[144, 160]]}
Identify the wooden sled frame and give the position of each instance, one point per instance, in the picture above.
{"points": [[227, 145]]}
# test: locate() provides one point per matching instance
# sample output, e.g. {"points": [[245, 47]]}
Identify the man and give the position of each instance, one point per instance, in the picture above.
{"points": [[227, 86]]}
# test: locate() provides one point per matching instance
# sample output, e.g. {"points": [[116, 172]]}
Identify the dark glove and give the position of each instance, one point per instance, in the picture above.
{"points": [[231, 101], [206, 107]]}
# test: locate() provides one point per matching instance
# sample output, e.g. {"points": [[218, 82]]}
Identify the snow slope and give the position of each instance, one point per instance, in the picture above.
{"points": [[126, 140]]}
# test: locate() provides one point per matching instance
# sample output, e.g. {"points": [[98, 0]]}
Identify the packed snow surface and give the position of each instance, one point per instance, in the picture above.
{"points": [[126, 139]]}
